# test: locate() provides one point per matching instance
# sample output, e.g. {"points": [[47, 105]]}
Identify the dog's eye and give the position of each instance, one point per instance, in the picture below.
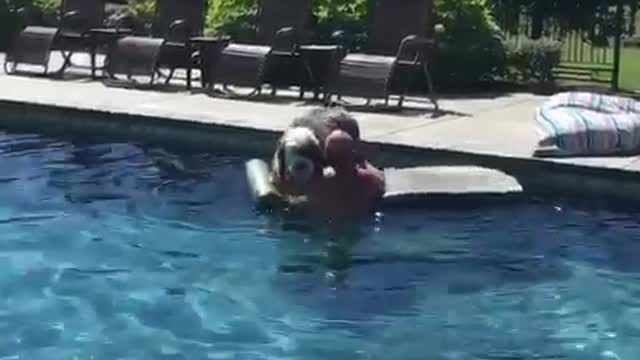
{"points": [[300, 166]]}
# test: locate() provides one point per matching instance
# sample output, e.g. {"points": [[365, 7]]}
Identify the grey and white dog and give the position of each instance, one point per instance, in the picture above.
{"points": [[299, 155]]}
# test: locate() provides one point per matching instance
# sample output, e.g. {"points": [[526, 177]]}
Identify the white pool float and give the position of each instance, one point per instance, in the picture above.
{"points": [[403, 186], [263, 192], [589, 124]]}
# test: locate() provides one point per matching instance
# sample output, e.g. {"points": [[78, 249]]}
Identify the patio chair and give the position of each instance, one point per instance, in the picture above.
{"points": [[34, 44], [379, 76], [396, 58], [272, 59], [274, 15], [253, 66], [390, 21], [168, 47]]}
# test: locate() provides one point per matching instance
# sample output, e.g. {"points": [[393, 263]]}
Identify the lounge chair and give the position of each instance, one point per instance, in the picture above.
{"points": [[396, 57], [175, 22], [379, 76], [252, 66], [34, 44], [272, 59], [274, 15], [390, 21]]}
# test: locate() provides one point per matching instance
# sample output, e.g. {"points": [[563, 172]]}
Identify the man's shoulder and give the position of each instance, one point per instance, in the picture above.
{"points": [[372, 177]]}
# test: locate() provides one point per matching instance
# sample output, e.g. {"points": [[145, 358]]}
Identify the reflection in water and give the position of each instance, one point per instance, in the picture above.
{"points": [[121, 250]]}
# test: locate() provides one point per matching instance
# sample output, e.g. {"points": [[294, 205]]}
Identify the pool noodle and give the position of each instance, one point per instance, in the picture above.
{"points": [[403, 186], [262, 189]]}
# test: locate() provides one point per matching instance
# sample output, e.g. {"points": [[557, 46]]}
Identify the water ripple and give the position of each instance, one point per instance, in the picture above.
{"points": [[27, 219], [142, 252]]}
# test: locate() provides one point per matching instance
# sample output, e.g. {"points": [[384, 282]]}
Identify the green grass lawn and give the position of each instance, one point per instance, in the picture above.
{"points": [[630, 70], [583, 56], [629, 62]]}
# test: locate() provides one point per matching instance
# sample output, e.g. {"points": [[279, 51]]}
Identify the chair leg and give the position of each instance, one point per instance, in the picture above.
{"points": [[189, 78], [432, 92], [256, 92], [327, 98], [166, 82], [158, 74], [66, 62], [204, 77], [92, 55], [10, 66]]}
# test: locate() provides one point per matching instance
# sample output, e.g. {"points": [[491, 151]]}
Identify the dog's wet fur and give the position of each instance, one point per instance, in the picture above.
{"points": [[321, 122]]}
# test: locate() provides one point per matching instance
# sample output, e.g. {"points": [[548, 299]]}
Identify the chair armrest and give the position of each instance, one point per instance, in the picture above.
{"points": [[119, 21], [414, 48], [417, 42], [70, 17], [74, 21], [348, 41], [285, 40], [339, 37], [179, 30], [22, 15]]}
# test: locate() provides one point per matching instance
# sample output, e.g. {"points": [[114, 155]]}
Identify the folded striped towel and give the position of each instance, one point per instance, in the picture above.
{"points": [[589, 124]]}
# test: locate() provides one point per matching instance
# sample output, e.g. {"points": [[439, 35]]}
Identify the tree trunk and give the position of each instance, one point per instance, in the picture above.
{"points": [[633, 12], [537, 21], [372, 5]]}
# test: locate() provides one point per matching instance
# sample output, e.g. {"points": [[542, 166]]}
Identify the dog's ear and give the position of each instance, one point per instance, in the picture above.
{"points": [[316, 153], [279, 162]]}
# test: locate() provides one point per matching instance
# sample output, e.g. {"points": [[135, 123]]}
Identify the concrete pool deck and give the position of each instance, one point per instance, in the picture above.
{"points": [[496, 131]]}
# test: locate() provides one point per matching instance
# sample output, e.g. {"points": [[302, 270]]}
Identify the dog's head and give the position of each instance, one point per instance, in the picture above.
{"points": [[299, 156]]}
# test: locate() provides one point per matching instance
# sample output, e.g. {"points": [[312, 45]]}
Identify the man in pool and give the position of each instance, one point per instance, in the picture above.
{"points": [[355, 188]]}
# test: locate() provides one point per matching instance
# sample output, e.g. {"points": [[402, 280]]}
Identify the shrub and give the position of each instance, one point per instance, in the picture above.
{"points": [[235, 18], [533, 59], [139, 15], [346, 16], [49, 8], [470, 48]]}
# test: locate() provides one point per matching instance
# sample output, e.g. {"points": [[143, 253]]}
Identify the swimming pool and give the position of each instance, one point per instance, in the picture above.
{"points": [[126, 251]]}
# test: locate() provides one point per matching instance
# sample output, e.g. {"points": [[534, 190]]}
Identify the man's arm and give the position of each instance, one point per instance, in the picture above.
{"points": [[374, 179]]}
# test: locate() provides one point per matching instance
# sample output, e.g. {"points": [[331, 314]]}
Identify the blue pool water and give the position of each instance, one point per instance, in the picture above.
{"points": [[120, 251]]}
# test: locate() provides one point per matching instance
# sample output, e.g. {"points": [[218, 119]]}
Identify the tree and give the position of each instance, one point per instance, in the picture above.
{"points": [[633, 13]]}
